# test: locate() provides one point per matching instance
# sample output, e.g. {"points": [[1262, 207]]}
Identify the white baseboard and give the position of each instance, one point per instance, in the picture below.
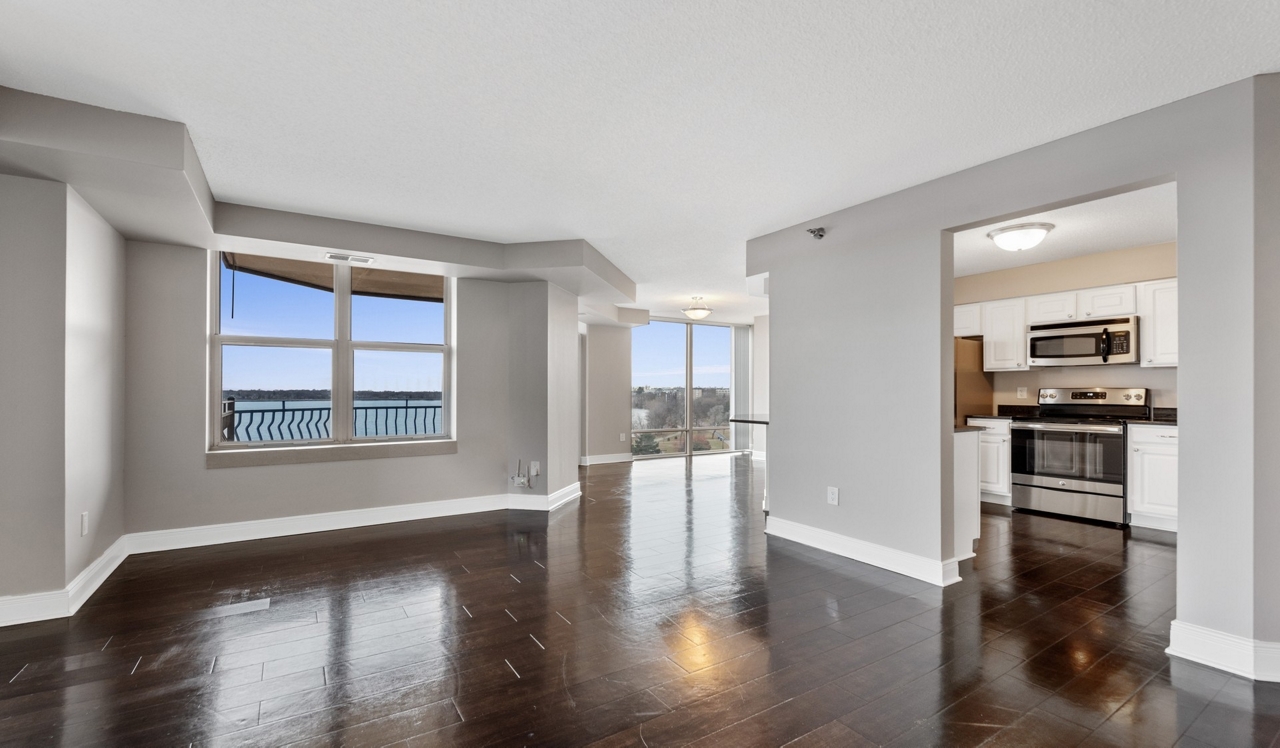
{"points": [[547, 503], [587, 460], [941, 573], [88, 581], [235, 532], [995, 498], [40, 606], [1154, 521], [1249, 658]]}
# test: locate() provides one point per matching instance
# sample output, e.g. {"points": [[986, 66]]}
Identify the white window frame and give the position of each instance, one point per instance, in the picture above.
{"points": [[342, 377]]}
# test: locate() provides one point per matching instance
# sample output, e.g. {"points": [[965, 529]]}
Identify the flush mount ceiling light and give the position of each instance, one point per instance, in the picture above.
{"points": [[1020, 236], [698, 309]]}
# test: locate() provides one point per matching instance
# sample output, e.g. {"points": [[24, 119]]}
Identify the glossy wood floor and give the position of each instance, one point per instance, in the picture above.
{"points": [[655, 612]]}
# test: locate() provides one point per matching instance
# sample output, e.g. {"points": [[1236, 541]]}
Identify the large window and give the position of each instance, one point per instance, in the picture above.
{"points": [[309, 352], [680, 388]]}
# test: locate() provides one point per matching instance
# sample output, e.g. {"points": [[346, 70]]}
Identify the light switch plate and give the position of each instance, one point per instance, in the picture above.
{"points": [[84, 524], [833, 496], [1022, 393], [622, 437]]}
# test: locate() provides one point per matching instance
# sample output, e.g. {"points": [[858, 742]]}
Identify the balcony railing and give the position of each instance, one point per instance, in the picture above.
{"points": [[302, 424]]}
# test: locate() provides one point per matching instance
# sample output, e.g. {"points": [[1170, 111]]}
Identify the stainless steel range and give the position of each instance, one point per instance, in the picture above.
{"points": [[1070, 459]]}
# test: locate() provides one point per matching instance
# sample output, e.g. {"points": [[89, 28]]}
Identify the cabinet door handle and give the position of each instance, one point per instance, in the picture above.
{"points": [[1150, 360], [1071, 316], [1135, 449]]}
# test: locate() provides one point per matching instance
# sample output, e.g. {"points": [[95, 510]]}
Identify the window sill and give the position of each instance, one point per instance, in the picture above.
{"points": [[294, 455]]}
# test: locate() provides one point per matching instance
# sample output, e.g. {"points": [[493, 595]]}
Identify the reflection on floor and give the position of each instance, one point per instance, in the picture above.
{"points": [[654, 612]]}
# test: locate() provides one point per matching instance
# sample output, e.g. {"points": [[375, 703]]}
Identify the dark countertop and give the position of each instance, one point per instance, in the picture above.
{"points": [[761, 419]]}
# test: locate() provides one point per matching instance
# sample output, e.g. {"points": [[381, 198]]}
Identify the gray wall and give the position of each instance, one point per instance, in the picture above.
{"points": [[760, 380], [563, 401], [32, 371], [95, 409], [858, 313], [1265, 280], [166, 482], [527, 374], [608, 390]]}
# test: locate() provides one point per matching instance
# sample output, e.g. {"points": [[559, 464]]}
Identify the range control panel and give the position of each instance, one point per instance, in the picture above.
{"points": [[1099, 395]]}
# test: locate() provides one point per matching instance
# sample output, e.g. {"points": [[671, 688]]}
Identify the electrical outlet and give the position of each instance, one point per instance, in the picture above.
{"points": [[84, 524], [622, 437], [1022, 393], [535, 468], [520, 481], [833, 496]]}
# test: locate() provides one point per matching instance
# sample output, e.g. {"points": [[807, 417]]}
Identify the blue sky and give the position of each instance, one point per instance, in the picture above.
{"points": [[657, 355], [266, 307], [278, 309]]}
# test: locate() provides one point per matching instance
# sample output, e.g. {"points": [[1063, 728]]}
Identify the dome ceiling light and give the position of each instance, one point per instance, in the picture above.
{"points": [[698, 309], [1020, 236]]}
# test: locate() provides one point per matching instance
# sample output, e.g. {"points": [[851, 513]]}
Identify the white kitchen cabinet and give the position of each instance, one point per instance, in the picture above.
{"points": [[1158, 323], [1053, 307], [1107, 302], [1004, 335], [1153, 477], [968, 320], [995, 475]]}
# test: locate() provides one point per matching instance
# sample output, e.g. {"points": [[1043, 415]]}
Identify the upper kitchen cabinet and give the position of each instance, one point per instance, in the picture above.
{"points": [[1107, 302], [1158, 320], [1053, 307], [968, 320], [1004, 335]]}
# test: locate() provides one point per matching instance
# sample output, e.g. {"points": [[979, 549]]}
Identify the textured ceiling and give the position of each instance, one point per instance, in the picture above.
{"points": [[1132, 219], [666, 133]]}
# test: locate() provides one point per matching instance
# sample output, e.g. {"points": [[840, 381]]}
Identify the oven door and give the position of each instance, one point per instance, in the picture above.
{"points": [[1085, 458], [1098, 343]]}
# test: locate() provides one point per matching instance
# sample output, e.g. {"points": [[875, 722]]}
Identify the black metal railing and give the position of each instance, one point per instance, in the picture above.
{"points": [[396, 420], [286, 424], [301, 424]]}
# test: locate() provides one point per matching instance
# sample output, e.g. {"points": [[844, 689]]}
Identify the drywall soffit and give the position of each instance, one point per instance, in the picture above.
{"points": [[139, 173], [571, 264], [611, 315]]}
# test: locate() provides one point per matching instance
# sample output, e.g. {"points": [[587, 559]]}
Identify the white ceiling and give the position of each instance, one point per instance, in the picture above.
{"points": [[665, 132], [1131, 219]]}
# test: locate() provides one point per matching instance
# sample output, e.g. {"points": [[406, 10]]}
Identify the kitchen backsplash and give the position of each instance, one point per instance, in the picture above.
{"points": [[1163, 382]]}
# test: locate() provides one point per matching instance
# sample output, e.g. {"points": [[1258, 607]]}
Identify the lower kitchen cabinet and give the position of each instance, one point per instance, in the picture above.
{"points": [[995, 476], [1153, 477]]}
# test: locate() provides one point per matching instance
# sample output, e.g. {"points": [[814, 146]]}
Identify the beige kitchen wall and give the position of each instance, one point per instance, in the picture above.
{"points": [[1132, 265]]}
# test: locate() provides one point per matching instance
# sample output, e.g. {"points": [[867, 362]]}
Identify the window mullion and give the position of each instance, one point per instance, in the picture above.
{"points": [[343, 388]]}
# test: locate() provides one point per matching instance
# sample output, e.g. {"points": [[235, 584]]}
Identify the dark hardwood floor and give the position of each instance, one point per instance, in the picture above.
{"points": [[655, 612]]}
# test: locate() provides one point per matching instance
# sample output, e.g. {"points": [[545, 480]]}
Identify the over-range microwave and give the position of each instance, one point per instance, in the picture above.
{"points": [[1096, 341]]}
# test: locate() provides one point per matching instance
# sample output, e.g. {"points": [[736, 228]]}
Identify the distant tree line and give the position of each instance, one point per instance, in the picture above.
{"points": [[268, 395]]}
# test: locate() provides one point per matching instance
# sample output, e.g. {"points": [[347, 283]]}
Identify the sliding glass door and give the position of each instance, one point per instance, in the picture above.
{"points": [[680, 388]]}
